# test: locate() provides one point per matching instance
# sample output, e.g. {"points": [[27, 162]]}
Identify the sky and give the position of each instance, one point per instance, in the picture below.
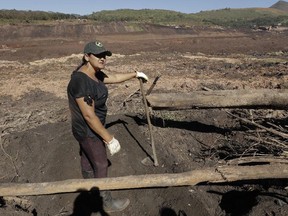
{"points": [[89, 6]]}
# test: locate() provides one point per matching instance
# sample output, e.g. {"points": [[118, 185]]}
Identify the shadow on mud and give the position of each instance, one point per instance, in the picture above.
{"points": [[124, 123], [237, 203], [170, 212], [87, 203], [160, 122], [192, 125]]}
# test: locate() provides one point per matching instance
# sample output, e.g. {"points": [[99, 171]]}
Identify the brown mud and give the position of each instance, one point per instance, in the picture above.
{"points": [[36, 140]]}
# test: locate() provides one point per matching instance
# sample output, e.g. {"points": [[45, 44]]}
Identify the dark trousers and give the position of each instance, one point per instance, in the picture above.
{"points": [[94, 161]]}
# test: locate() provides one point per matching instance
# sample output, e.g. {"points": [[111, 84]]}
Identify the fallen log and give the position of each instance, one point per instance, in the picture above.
{"points": [[253, 98], [259, 159], [212, 175]]}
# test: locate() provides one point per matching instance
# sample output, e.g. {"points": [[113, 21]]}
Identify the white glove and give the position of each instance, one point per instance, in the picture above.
{"points": [[113, 146], [141, 75]]}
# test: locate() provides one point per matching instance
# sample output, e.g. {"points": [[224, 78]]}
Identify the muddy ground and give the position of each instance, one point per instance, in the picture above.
{"points": [[36, 140]]}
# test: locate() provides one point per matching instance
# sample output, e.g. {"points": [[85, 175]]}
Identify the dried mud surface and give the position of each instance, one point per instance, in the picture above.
{"points": [[37, 144]]}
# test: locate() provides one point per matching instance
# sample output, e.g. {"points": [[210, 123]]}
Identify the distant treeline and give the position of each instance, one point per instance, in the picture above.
{"points": [[145, 15], [234, 18], [34, 15]]}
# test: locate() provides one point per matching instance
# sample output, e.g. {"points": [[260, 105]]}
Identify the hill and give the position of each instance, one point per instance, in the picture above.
{"points": [[243, 18], [281, 5]]}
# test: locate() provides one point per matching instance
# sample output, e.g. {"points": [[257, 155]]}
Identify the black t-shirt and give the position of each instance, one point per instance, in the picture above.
{"points": [[81, 85]]}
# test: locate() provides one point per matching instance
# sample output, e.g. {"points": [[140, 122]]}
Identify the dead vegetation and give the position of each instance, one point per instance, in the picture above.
{"points": [[261, 133]]}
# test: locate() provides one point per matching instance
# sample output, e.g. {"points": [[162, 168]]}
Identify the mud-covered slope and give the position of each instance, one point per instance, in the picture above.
{"points": [[81, 29]]}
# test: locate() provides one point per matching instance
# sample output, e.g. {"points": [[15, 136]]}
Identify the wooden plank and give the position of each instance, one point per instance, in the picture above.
{"points": [[253, 98], [212, 175]]}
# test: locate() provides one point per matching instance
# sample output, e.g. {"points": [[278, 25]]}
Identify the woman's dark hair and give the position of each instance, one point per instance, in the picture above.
{"points": [[84, 61]]}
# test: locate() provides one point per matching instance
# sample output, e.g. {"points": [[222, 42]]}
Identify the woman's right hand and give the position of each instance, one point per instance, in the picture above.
{"points": [[141, 75], [113, 146]]}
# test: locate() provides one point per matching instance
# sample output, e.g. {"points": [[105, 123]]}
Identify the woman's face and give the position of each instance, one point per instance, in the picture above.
{"points": [[98, 61]]}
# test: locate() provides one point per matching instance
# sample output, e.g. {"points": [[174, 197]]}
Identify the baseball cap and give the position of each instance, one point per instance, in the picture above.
{"points": [[96, 47]]}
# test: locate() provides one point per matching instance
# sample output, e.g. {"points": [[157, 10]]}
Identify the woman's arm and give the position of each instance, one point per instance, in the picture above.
{"points": [[117, 78], [92, 120]]}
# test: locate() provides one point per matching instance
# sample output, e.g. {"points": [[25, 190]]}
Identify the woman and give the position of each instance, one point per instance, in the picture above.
{"points": [[87, 95]]}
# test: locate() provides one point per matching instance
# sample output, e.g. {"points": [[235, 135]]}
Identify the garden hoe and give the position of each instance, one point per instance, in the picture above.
{"points": [[147, 161]]}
